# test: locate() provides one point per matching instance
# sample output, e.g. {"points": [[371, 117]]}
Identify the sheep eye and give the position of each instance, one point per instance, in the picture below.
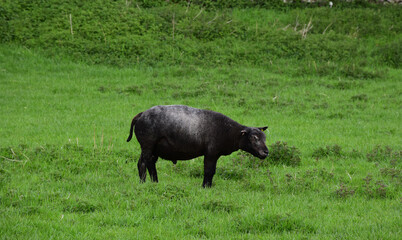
{"points": [[255, 138]]}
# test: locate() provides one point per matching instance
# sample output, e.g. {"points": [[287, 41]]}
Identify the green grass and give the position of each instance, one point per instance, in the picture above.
{"points": [[331, 99], [172, 33], [67, 172]]}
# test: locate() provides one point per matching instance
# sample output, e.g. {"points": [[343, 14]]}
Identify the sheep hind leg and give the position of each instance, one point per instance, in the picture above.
{"points": [[152, 168], [142, 166]]}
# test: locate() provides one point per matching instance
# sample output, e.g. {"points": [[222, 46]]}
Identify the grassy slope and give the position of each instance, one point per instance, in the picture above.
{"points": [[63, 191], [124, 34]]}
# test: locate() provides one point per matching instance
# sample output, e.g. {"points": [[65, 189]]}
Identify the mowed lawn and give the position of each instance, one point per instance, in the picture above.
{"points": [[67, 172]]}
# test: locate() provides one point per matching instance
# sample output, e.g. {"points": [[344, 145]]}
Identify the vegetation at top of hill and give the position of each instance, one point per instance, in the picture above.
{"points": [[317, 39]]}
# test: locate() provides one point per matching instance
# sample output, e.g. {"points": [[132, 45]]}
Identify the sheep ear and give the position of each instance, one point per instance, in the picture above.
{"points": [[243, 132], [263, 128]]}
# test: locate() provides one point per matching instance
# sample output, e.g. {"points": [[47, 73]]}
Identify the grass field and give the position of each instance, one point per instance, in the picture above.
{"points": [[332, 101], [67, 172]]}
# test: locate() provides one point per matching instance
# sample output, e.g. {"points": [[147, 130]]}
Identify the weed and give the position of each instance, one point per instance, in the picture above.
{"points": [[382, 154], [367, 187], [281, 153], [324, 174], [392, 172], [334, 150], [381, 189], [377, 190], [343, 191]]}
